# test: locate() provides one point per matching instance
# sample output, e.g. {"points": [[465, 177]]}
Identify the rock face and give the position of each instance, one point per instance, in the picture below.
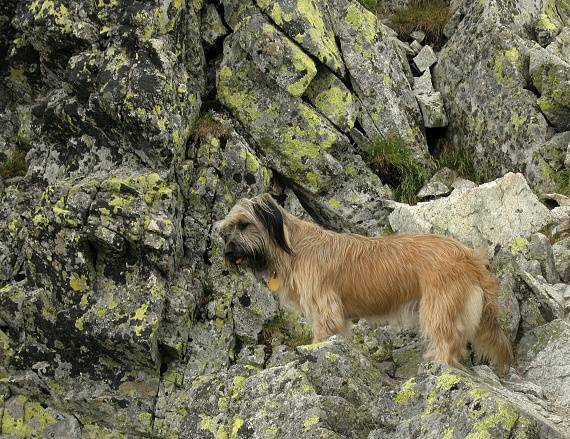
{"points": [[486, 63], [128, 129]]}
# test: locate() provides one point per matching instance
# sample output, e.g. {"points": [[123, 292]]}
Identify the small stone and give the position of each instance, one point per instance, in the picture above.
{"points": [[425, 59], [546, 30], [423, 84], [462, 184], [561, 253], [418, 35], [416, 47], [433, 110], [541, 250]]}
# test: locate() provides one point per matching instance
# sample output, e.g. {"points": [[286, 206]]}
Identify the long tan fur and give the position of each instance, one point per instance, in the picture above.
{"points": [[332, 278]]}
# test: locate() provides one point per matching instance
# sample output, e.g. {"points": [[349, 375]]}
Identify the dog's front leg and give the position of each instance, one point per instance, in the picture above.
{"points": [[328, 317]]}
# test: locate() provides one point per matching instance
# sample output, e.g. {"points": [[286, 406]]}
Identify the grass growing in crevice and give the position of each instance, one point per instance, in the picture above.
{"points": [[562, 179], [286, 329], [394, 163], [208, 126], [429, 16], [14, 165], [371, 5], [461, 161]]}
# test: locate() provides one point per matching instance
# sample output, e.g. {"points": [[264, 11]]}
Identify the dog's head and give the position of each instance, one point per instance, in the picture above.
{"points": [[254, 233]]}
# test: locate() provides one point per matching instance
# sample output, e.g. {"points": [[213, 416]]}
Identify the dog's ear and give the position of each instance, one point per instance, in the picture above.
{"points": [[269, 213]]}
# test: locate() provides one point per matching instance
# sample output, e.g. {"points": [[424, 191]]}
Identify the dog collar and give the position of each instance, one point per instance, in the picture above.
{"points": [[274, 283]]}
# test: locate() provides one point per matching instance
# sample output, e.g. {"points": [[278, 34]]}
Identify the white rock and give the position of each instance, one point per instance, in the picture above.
{"points": [[425, 59], [492, 214]]}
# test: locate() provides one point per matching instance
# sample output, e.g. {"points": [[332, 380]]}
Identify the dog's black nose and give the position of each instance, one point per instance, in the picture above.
{"points": [[230, 255]]}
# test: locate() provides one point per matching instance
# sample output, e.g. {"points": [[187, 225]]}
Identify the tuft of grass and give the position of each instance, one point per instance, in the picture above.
{"points": [[562, 179], [208, 126], [371, 5], [287, 329], [461, 161], [429, 16], [394, 163], [14, 165]]}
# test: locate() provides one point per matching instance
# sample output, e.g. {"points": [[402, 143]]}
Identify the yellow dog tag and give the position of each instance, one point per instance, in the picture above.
{"points": [[274, 283]]}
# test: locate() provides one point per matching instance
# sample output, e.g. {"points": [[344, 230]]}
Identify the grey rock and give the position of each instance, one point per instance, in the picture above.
{"points": [[561, 252], [550, 297], [551, 75], [560, 47], [211, 28], [495, 213], [416, 47], [542, 357], [541, 250], [425, 59], [439, 184], [546, 30], [462, 184], [432, 109], [423, 84]]}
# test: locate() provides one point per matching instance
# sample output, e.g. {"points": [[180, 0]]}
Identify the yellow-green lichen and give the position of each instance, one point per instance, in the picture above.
{"points": [[406, 393], [140, 312], [238, 385], [60, 14], [334, 203], [517, 120], [32, 422], [79, 323], [504, 420], [518, 245], [79, 284], [310, 422], [40, 220], [236, 425]]}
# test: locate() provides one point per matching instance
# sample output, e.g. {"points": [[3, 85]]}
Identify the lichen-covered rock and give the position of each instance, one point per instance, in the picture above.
{"points": [[550, 75], [329, 389], [211, 27], [482, 66], [546, 30], [439, 184], [378, 76], [275, 54], [432, 109], [502, 212], [306, 23], [333, 99], [446, 403], [301, 144]]}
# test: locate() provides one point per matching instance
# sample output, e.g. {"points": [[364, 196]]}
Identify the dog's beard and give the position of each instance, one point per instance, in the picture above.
{"points": [[255, 261]]}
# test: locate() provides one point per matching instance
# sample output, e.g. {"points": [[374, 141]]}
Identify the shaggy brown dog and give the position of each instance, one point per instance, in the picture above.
{"points": [[332, 278]]}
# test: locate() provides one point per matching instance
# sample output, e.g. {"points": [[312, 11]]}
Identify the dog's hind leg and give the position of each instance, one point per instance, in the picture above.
{"points": [[441, 322], [327, 316]]}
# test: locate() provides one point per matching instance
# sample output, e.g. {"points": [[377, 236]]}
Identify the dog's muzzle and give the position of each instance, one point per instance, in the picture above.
{"points": [[234, 254]]}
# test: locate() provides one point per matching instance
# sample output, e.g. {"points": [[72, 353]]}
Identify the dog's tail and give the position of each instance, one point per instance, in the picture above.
{"points": [[490, 342]]}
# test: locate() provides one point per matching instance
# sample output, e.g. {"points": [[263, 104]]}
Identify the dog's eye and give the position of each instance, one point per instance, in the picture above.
{"points": [[243, 225]]}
